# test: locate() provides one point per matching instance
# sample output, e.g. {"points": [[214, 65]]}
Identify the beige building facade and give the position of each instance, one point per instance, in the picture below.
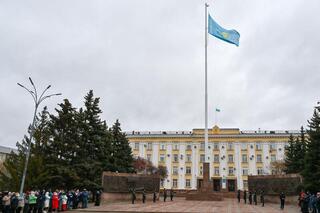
{"points": [[233, 155]]}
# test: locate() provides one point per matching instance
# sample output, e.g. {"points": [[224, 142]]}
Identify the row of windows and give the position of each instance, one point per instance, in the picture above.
{"points": [[216, 158], [188, 183], [216, 171], [230, 146], [175, 183]]}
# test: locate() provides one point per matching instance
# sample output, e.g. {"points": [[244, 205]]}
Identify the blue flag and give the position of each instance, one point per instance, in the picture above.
{"points": [[231, 36]]}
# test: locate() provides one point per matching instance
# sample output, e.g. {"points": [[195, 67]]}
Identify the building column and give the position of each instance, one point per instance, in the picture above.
{"points": [[237, 157], [182, 172], [252, 159], [266, 158], [168, 182], [195, 165], [155, 154], [223, 164]]}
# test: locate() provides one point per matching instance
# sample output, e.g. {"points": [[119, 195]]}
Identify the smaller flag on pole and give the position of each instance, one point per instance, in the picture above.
{"points": [[217, 110], [231, 36]]}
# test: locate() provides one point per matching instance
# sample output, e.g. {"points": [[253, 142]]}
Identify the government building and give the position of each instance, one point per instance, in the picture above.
{"points": [[233, 155]]}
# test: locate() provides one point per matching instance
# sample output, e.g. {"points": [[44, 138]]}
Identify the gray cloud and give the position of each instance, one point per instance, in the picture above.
{"points": [[145, 59]]}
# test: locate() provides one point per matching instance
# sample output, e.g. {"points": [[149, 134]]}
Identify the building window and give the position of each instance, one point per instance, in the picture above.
{"points": [[136, 146], [245, 184], [176, 147], [175, 170], [188, 147], [244, 158], [188, 183], [245, 171], [230, 171], [162, 158], [148, 157], [216, 158], [216, 146], [188, 158], [260, 171], [230, 158], [162, 146], [188, 170], [216, 170], [243, 146], [149, 146], [175, 158], [201, 170], [272, 146], [174, 183], [259, 159], [230, 146], [202, 158], [258, 146], [202, 146], [273, 158]]}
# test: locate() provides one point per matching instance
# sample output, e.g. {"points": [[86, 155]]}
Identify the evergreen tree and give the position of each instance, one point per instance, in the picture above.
{"points": [[10, 176], [122, 155], [95, 143], [290, 160], [62, 148], [295, 153], [311, 171]]}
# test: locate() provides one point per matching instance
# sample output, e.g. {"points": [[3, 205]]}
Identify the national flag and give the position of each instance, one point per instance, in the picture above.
{"points": [[217, 110], [231, 36]]}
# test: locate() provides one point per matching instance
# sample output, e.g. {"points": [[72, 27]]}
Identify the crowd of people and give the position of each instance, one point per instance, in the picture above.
{"points": [[308, 202], [46, 201]]}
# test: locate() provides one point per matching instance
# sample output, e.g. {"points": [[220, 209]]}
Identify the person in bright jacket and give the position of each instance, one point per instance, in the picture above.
{"points": [[32, 201], [46, 202], [64, 199], [55, 202]]}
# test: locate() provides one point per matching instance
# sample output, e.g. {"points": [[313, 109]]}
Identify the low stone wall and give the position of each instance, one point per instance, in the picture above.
{"points": [[117, 186], [275, 184], [125, 197]]}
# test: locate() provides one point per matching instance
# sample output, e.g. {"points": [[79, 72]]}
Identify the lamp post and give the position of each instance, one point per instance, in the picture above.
{"points": [[37, 101]]}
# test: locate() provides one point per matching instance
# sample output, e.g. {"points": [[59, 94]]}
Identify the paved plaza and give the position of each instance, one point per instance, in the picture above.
{"points": [[181, 205]]}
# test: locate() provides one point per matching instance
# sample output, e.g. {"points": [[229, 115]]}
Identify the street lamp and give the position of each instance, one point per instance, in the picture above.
{"points": [[37, 101]]}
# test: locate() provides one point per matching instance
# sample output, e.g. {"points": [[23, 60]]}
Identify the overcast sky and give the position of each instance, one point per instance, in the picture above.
{"points": [[145, 60]]}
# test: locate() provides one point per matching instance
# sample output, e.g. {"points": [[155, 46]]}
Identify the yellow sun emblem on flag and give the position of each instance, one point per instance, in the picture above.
{"points": [[225, 35]]}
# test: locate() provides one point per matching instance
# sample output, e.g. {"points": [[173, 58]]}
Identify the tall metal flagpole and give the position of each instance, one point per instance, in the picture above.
{"points": [[206, 87]]}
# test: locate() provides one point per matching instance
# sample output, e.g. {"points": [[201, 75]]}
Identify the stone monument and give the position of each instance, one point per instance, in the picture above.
{"points": [[205, 190]]}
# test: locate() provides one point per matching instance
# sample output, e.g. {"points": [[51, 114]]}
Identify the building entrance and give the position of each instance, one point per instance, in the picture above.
{"points": [[231, 185], [216, 185]]}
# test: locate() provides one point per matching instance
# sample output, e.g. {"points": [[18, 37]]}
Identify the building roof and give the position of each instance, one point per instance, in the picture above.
{"points": [[7, 150], [215, 132]]}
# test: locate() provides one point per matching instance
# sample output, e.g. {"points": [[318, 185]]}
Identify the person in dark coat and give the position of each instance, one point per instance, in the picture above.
{"points": [[304, 203], [171, 194], [250, 197], [164, 195], [262, 198], [143, 196], [98, 198], [238, 196], [255, 197], [318, 202], [154, 196], [282, 200], [133, 196], [14, 203], [245, 196]]}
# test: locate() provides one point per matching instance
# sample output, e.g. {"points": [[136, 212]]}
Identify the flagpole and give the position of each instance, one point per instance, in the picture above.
{"points": [[206, 87]]}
